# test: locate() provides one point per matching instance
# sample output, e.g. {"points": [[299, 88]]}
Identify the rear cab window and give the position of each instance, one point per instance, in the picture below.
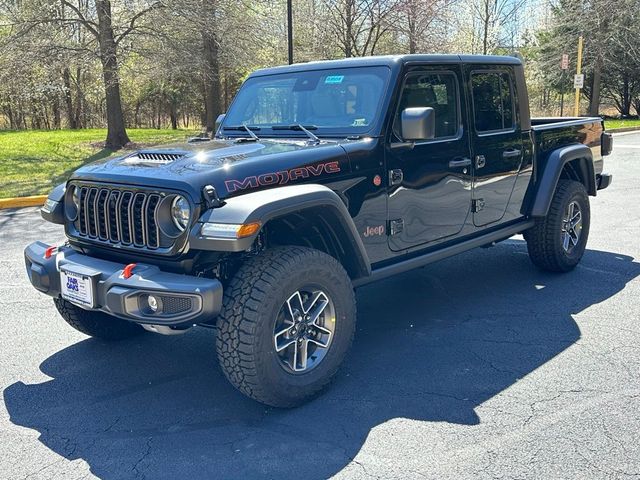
{"points": [[493, 102]]}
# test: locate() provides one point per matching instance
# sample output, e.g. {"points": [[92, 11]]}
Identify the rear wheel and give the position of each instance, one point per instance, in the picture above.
{"points": [[557, 242], [287, 322], [96, 324]]}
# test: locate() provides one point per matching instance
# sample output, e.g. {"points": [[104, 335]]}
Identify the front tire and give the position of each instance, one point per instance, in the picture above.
{"points": [[287, 322], [557, 242], [96, 324]]}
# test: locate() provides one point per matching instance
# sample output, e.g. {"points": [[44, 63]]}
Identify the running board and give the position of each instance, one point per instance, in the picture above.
{"points": [[446, 252]]}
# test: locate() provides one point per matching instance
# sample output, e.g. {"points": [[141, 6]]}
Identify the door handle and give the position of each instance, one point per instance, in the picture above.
{"points": [[463, 162], [511, 153]]}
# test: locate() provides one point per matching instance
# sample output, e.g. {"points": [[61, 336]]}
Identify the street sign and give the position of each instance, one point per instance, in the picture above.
{"points": [[564, 64], [578, 81]]}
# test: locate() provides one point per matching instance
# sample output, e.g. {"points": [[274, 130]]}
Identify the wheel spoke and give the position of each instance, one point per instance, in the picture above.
{"points": [[565, 241], [317, 306], [576, 218], [281, 343], [300, 355], [294, 304], [573, 236]]}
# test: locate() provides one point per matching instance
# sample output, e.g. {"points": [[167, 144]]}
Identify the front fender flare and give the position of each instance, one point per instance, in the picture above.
{"points": [[552, 171], [266, 205]]}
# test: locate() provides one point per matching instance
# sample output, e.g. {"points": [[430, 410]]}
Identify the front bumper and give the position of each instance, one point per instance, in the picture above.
{"points": [[185, 299]]}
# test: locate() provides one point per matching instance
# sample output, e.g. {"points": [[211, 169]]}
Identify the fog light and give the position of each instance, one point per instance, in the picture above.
{"points": [[153, 303]]}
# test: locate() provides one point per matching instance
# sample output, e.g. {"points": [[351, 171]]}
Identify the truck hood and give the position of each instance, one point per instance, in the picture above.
{"points": [[231, 166]]}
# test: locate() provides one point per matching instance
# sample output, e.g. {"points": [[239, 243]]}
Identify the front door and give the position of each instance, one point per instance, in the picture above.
{"points": [[429, 184], [497, 143]]}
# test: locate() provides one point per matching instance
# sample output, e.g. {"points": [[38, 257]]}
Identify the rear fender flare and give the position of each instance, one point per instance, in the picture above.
{"points": [[553, 170]]}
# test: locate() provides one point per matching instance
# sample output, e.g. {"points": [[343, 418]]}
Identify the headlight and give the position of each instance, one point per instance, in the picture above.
{"points": [[72, 203], [180, 212], [75, 197]]}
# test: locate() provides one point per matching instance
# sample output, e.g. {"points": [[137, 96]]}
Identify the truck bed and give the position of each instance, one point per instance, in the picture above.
{"points": [[550, 133]]}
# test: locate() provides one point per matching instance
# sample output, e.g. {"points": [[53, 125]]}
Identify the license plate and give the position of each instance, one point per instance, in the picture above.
{"points": [[76, 288]]}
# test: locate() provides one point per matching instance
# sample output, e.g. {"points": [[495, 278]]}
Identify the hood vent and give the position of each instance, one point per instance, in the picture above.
{"points": [[155, 158]]}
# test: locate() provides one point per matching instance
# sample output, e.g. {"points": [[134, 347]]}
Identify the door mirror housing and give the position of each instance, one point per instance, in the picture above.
{"points": [[418, 123], [219, 121]]}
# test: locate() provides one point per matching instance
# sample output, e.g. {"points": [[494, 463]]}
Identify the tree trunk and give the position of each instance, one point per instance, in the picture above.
{"points": [[68, 98], [485, 27], [211, 79], [79, 100], [55, 107], [116, 133], [594, 103], [173, 115]]}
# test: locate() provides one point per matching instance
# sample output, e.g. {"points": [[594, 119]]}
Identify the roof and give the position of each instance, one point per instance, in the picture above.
{"points": [[389, 61]]}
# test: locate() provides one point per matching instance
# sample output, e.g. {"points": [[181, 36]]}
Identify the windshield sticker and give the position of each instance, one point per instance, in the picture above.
{"points": [[359, 122], [334, 79]]}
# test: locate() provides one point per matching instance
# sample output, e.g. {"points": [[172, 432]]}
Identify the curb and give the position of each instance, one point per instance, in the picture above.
{"points": [[19, 202], [623, 129]]}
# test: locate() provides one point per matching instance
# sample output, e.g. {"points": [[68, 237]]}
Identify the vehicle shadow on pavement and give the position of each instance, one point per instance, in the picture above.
{"points": [[431, 345]]}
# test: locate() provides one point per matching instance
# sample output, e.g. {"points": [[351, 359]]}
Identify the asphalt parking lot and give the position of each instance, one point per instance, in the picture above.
{"points": [[479, 366]]}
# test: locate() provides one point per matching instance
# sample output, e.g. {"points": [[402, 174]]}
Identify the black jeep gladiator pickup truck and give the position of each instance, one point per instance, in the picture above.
{"points": [[320, 178]]}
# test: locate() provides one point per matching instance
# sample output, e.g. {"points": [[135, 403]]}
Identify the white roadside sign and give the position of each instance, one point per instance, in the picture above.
{"points": [[578, 81]]}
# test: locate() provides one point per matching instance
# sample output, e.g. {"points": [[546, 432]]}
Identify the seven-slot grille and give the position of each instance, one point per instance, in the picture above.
{"points": [[119, 216]]}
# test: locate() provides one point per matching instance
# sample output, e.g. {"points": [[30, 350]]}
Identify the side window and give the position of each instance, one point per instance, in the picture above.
{"points": [[436, 90], [493, 104]]}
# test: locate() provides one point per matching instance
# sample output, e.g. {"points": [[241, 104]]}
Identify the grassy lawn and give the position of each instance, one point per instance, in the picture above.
{"points": [[609, 124], [32, 162]]}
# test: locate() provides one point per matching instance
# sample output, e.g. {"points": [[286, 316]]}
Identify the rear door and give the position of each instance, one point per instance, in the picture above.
{"points": [[497, 141], [430, 184]]}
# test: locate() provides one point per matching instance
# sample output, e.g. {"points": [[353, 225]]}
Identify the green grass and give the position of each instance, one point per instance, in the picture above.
{"points": [[609, 124], [33, 162]]}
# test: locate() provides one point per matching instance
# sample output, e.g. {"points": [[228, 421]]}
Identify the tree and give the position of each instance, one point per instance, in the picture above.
{"points": [[359, 25], [422, 23], [611, 46], [106, 27]]}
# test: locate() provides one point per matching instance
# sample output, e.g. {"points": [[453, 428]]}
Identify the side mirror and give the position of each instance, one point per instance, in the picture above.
{"points": [[418, 123], [219, 121]]}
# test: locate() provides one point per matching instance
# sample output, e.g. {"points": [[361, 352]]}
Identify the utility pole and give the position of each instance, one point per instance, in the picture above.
{"points": [[576, 108], [290, 30]]}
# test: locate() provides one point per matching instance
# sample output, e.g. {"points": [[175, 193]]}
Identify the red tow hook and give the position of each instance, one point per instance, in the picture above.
{"points": [[128, 270], [50, 251]]}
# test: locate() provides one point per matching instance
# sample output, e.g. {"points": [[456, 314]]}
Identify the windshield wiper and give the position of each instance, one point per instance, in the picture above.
{"points": [[244, 128], [299, 127]]}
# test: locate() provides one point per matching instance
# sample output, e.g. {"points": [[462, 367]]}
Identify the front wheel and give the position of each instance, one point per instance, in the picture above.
{"points": [[287, 322], [557, 242]]}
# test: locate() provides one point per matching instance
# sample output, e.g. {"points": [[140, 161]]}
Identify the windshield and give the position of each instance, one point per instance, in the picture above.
{"points": [[331, 102]]}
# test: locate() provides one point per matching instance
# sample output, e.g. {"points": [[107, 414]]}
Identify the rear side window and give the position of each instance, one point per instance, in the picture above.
{"points": [[436, 90], [493, 103]]}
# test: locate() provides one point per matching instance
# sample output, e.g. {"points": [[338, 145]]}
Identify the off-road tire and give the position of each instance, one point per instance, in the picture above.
{"points": [[96, 324], [246, 324], [544, 239]]}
